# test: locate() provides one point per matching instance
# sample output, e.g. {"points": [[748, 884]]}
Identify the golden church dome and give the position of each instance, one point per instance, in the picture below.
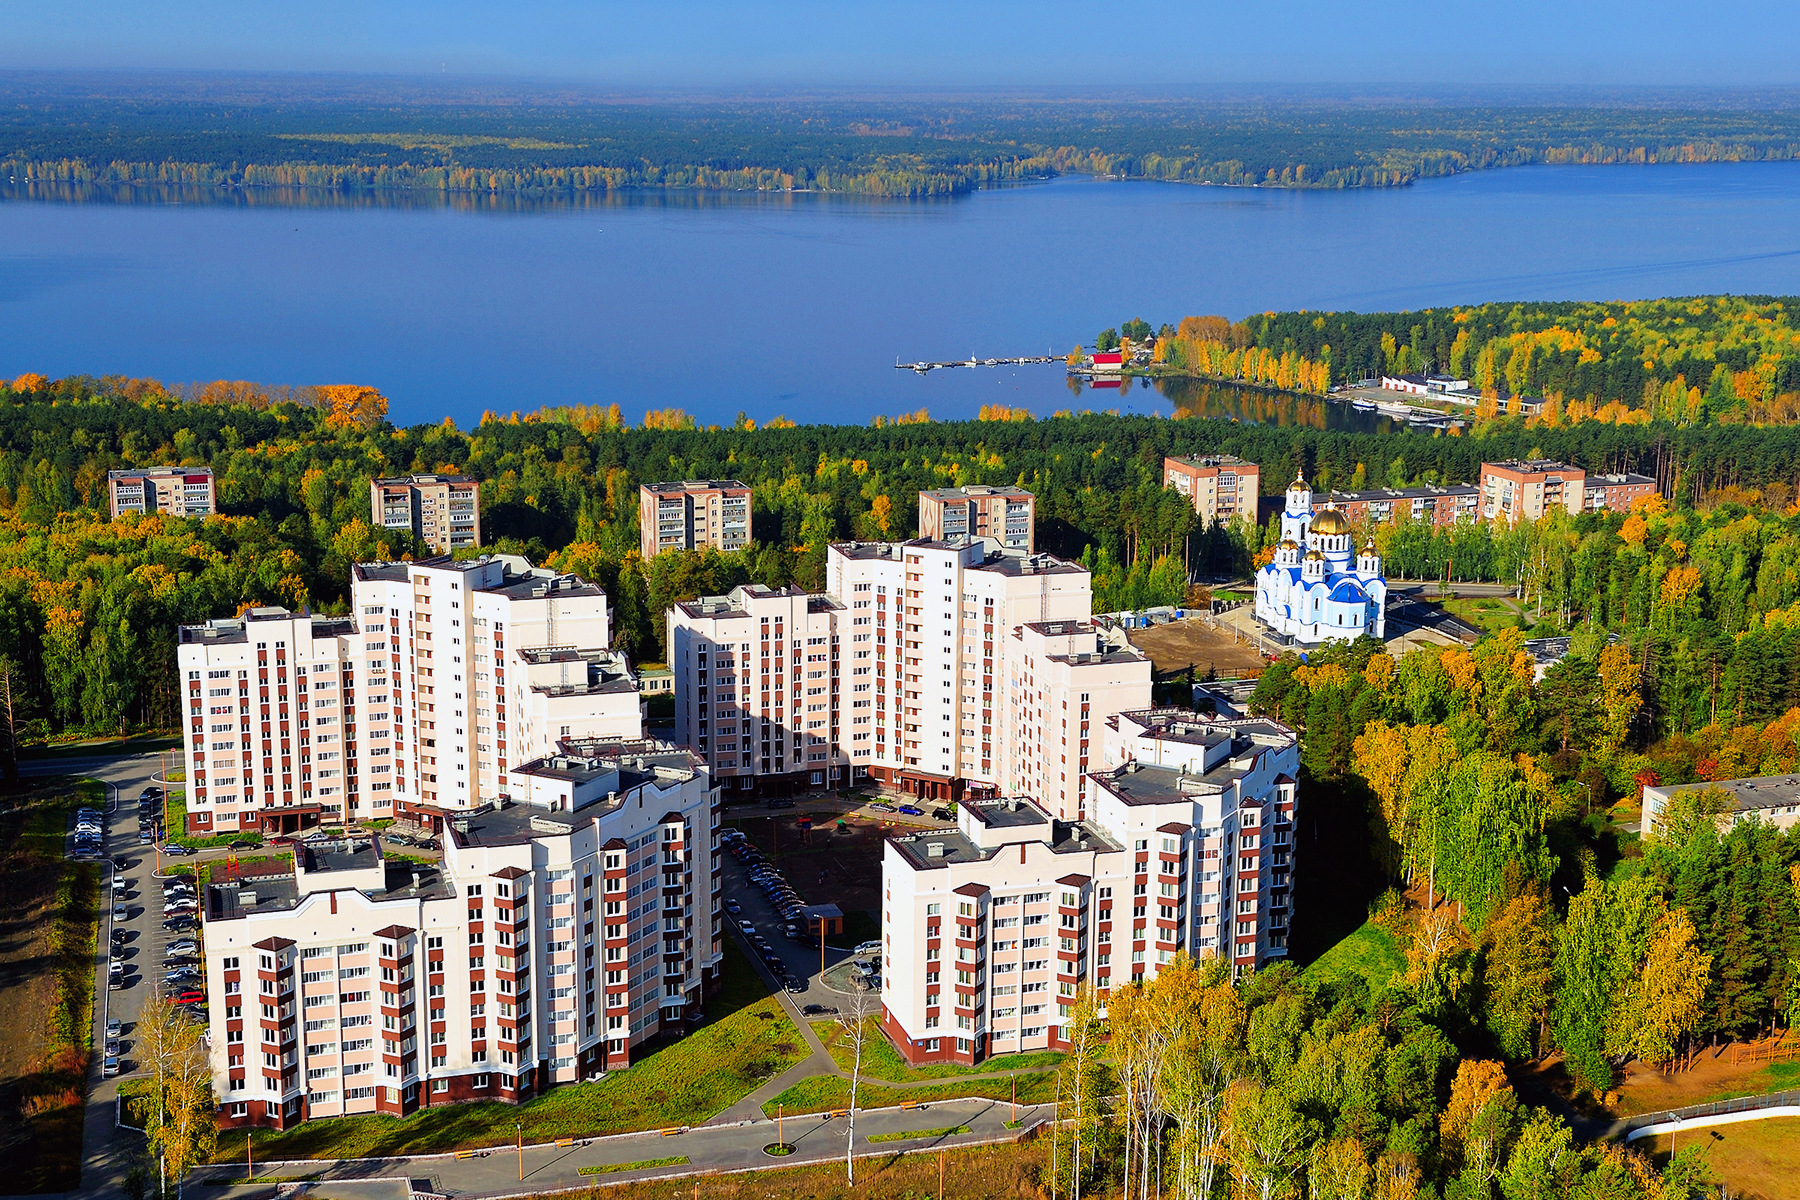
{"points": [[1289, 544], [1331, 522]]}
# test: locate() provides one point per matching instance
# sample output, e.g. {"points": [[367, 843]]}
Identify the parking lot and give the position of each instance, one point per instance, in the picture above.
{"points": [[150, 928]]}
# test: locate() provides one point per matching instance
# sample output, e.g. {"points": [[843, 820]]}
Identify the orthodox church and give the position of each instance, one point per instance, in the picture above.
{"points": [[1319, 589]]}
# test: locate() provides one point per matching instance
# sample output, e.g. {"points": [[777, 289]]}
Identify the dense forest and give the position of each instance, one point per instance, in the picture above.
{"points": [[257, 133], [1690, 361]]}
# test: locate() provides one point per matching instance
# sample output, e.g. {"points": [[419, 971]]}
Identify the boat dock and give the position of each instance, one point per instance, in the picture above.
{"points": [[924, 367]]}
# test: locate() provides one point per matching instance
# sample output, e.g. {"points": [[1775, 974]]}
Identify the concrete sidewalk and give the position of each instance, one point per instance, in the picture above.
{"points": [[706, 1149]]}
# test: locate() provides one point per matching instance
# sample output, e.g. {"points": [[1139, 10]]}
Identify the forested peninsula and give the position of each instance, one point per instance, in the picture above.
{"points": [[457, 143]]}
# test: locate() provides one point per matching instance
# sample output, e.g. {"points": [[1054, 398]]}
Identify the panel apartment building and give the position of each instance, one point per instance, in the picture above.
{"points": [[692, 514], [445, 510], [178, 491], [934, 667], [1222, 488], [1006, 514], [990, 930], [558, 934], [444, 675]]}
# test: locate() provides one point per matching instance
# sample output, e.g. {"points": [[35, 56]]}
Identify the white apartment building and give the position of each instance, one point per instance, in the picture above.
{"points": [[900, 671], [455, 669], [757, 686], [556, 937], [991, 929], [1062, 685]]}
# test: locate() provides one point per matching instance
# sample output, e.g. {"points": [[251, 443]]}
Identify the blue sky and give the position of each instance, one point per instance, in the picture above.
{"points": [[929, 43]]}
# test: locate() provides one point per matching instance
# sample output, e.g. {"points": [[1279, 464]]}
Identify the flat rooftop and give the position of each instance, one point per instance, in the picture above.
{"points": [[231, 630], [1426, 491], [942, 848], [1755, 794], [977, 489], [1012, 813], [259, 893], [398, 480], [676, 487]]}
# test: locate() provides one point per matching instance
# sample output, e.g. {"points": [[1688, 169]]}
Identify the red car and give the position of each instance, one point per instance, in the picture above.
{"points": [[190, 997]]}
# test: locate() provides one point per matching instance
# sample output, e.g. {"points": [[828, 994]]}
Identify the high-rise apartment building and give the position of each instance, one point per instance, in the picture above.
{"points": [[692, 514], [1008, 515], [560, 932], [178, 491], [991, 929], [1221, 488], [1529, 488], [444, 675], [445, 510], [934, 667]]}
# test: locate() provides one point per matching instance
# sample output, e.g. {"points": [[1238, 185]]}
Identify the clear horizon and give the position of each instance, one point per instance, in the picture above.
{"points": [[930, 44]]}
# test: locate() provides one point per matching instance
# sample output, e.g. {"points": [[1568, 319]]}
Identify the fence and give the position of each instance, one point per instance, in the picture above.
{"points": [[1718, 1108]]}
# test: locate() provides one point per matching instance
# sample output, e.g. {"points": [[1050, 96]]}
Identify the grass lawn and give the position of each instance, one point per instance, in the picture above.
{"points": [[859, 927], [822, 1092], [1753, 1159], [1004, 1172], [881, 1061], [47, 979], [1370, 952], [1486, 613], [748, 1041]]}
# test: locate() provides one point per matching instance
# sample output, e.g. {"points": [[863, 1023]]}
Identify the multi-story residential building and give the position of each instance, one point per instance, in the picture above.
{"points": [[445, 510], [1430, 504], [931, 627], [456, 670], [1062, 685], [1527, 489], [757, 687], [1222, 488], [990, 930], [933, 667], [178, 491], [692, 514], [559, 933], [1614, 493], [1008, 515]]}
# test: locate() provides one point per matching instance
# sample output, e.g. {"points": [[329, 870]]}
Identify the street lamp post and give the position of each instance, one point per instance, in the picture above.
{"points": [[520, 1128]]}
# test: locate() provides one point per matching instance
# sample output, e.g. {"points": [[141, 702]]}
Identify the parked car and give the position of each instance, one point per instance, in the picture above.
{"points": [[394, 839], [818, 1010], [175, 849], [121, 913], [911, 810], [733, 907], [150, 793], [781, 803], [793, 986], [870, 947], [243, 845], [943, 814], [747, 927], [882, 806], [181, 923], [111, 1066], [114, 1027], [145, 837], [191, 996]]}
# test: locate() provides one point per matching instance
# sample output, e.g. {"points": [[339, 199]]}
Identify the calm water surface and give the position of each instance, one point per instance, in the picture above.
{"points": [[801, 304]]}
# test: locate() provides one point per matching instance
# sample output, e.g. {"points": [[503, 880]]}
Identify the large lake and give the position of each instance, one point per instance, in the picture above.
{"points": [[800, 305]]}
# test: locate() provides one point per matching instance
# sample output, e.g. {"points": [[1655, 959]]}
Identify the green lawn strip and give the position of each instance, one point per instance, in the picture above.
{"points": [[674, 1160], [881, 1061], [748, 1041], [822, 1093], [89, 747], [1370, 951], [946, 1131], [59, 1085]]}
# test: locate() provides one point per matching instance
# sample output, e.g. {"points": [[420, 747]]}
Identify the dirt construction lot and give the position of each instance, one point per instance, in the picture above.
{"points": [[1181, 644]]}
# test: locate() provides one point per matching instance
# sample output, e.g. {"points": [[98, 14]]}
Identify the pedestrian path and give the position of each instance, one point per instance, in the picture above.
{"points": [[580, 1164]]}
